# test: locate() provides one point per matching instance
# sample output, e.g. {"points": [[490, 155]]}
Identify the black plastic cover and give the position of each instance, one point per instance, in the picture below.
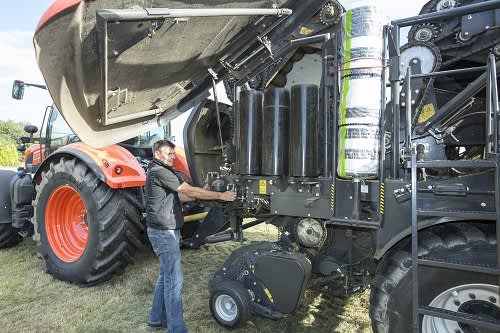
{"points": [[285, 275]]}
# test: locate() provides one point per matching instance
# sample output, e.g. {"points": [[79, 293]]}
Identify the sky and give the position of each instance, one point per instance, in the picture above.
{"points": [[18, 20]]}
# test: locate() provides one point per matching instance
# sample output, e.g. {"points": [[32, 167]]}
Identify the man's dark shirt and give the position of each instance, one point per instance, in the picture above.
{"points": [[163, 206]]}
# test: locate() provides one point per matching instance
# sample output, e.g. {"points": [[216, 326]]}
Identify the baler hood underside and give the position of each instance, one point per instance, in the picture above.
{"points": [[115, 72]]}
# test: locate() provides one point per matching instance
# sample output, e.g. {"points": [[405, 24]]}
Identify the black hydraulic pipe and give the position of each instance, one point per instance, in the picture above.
{"points": [[333, 114], [453, 104], [454, 12], [326, 86], [395, 83], [356, 199], [383, 109]]}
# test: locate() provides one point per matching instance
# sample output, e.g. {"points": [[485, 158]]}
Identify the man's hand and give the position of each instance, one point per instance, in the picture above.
{"points": [[227, 196]]}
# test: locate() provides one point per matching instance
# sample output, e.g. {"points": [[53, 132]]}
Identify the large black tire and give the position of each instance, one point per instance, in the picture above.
{"points": [[8, 236], [230, 303], [112, 218], [391, 295]]}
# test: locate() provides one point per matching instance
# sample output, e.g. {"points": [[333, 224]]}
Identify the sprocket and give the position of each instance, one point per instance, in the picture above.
{"points": [[425, 32], [426, 53], [330, 13]]}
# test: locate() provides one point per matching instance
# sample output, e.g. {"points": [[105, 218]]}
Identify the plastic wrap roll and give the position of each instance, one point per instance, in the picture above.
{"points": [[275, 125], [361, 91], [250, 132], [304, 115]]}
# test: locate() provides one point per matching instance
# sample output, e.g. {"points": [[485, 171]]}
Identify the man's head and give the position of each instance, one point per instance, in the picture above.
{"points": [[164, 151]]}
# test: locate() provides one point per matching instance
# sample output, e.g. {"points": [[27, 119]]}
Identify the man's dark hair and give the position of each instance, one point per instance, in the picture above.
{"points": [[161, 143]]}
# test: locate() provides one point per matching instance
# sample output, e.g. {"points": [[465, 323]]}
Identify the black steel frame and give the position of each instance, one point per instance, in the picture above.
{"points": [[489, 78]]}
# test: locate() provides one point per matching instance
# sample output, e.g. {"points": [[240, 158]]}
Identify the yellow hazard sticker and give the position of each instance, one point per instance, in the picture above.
{"points": [[427, 113], [268, 293], [262, 186], [304, 31]]}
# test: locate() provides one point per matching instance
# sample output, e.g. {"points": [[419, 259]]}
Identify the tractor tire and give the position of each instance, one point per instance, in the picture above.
{"points": [[230, 303], [8, 236], [86, 231], [474, 293]]}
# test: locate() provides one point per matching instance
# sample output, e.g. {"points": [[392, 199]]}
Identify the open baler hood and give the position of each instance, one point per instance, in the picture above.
{"points": [[117, 68]]}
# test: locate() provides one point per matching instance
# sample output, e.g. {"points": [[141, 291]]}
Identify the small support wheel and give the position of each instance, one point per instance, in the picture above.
{"points": [[230, 303]]}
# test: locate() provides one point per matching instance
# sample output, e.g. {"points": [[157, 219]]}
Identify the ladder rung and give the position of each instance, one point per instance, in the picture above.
{"points": [[458, 266], [457, 213], [461, 317], [457, 164]]}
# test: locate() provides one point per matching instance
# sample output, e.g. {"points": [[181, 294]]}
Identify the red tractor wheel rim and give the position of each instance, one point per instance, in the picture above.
{"points": [[66, 223]]}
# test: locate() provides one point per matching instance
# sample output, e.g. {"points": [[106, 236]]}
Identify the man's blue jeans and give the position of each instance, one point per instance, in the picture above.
{"points": [[167, 299]]}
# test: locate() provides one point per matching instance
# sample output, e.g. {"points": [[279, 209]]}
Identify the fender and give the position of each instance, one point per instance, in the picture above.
{"points": [[55, 9], [180, 164], [113, 165], [425, 224]]}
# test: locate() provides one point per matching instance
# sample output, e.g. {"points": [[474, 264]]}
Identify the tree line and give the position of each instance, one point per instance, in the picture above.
{"points": [[10, 132]]}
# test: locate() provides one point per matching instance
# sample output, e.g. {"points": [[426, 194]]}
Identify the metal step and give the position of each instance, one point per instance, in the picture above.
{"points": [[457, 164], [458, 213], [452, 264], [461, 317]]}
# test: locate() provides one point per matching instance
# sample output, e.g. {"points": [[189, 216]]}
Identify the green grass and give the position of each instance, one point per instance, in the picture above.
{"points": [[32, 301]]}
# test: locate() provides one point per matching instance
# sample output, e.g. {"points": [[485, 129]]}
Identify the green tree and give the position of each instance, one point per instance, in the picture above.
{"points": [[12, 130], [8, 152]]}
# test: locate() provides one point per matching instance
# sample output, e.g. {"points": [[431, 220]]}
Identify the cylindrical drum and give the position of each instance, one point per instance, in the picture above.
{"points": [[275, 132], [250, 132], [361, 88], [303, 151]]}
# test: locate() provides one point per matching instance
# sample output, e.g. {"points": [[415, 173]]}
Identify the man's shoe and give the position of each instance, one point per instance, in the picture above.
{"points": [[156, 326]]}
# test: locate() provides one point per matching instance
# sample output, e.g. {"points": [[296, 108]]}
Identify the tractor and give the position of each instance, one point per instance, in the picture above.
{"points": [[379, 163], [83, 206]]}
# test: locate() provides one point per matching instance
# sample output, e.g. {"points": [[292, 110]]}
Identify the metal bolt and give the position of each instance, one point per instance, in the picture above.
{"points": [[486, 27], [415, 61], [403, 104], [454, 293], [457, 303], [466, 33], [430, 188], [255, 283], [272, 193], [309, 214], [275, 212], [472, 296], [492, 299], [350, 197], [483, 204]]}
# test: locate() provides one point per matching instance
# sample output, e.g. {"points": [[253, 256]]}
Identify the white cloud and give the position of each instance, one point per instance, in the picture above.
{"points": [[18, 62]]}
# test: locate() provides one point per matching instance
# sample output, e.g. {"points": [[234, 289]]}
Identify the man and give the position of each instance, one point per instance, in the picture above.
{"points": [[164, 195]]}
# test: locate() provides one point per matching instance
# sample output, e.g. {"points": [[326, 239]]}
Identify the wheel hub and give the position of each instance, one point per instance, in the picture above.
{"points": [[66, 223], [226, 307], [475, 299]]}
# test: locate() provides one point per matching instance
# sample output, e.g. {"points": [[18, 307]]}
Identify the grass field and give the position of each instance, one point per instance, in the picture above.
{"points": [[33, 301]]}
